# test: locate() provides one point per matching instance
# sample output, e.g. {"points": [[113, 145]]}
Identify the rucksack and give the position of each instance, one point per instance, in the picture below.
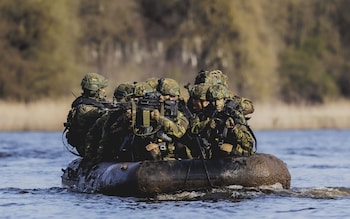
{"points": [[74, 132], [211, 78]]}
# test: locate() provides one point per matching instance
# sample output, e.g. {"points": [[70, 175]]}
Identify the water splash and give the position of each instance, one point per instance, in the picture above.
{"points": [[238, 193], [321, 193]]}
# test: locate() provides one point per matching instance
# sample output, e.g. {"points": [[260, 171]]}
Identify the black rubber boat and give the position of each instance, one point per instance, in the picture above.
{"points": [[148, 178]]}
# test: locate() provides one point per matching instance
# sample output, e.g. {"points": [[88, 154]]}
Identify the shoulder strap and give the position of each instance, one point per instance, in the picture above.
{"points": [[87, 101]]}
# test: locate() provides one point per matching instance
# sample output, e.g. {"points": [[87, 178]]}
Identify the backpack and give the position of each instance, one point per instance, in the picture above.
{"points": [[246, 105], [74, 133], [211, 77], [72, 130]]}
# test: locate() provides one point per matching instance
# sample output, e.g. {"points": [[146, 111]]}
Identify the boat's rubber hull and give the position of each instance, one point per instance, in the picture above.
{"points": [[154, 177]]}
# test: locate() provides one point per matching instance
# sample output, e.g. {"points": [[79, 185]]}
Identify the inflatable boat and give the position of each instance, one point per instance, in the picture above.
{"points": [[149, 178]]}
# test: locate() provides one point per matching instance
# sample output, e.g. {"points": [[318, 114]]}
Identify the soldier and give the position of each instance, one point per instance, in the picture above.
{"points": [[224, 126], [122, 94], [218, 77], [118, 139], [169, 124], [195, 105], [86, 109], [178, 123]]}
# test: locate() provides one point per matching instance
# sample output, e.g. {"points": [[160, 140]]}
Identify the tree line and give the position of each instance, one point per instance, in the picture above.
{"points": [[293, 50]]}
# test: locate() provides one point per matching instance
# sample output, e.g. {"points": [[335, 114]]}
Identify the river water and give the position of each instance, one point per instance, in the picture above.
{"points": [[30, 183]]}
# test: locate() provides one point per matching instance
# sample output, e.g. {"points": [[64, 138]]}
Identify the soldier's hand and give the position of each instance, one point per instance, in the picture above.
{"points": [[212, 124], [155, 115]]}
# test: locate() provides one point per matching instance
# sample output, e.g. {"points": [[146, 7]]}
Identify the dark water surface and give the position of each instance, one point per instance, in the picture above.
{"points": [[30, 183]]}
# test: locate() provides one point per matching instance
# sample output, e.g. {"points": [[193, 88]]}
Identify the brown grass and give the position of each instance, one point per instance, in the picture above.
{"points": [[335, 115], [48, 115], [45, 115]]}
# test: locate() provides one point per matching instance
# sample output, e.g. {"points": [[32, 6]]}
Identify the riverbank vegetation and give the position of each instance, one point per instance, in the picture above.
{"points": [[49, 115], [293, 52]]}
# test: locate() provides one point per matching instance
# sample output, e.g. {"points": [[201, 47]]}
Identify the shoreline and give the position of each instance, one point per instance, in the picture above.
{"points": [[49, 115]]}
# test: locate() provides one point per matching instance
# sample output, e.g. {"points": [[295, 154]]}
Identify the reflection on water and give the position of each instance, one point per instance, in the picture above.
{"points": [[30, 183]]}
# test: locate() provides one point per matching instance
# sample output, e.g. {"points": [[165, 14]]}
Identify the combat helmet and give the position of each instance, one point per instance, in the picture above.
{"points": [[216, 92], [153, 82], [199, 91], [211, 77], [168, 86], [142, 88], [93, 82], [124, 91]]}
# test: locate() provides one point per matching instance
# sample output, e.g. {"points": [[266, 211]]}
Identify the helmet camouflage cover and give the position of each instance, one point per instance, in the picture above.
{"points": [[199, 91], [141, 88], [211, 77], [153, 82], [93, 82], [124, 90], [168, 86], [216, 92]]}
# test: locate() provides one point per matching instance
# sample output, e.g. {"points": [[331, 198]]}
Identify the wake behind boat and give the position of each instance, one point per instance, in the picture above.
{"points": [[148, 178]]}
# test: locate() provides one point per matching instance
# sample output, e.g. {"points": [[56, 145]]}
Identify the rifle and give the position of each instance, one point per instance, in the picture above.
{"points": [[120, 106], [151, 102], [183, 107]]}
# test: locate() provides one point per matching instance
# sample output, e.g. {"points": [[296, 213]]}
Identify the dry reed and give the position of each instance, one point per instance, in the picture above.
{"points": [[45, 115], [49, 115], [335, 115]]}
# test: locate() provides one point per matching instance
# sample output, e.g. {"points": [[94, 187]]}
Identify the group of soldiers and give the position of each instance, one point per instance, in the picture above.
{"points": [[150, 120]]}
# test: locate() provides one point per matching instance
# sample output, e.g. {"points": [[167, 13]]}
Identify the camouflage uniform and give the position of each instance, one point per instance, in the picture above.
{"points": [[166, 126], [245, 104], [118, 137], [86, 109], [196, 104], [93, 137], [122, 93], [201, 112], [224, 126], [116, 126]]}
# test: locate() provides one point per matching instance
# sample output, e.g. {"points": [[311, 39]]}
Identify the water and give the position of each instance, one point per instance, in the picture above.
{"points": [[30, 183]]}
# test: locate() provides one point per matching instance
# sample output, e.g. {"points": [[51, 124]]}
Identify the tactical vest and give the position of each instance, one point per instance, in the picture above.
{"points": [[75, 133], [145, 128]]}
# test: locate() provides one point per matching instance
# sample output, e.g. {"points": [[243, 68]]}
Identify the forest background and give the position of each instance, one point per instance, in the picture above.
{"points": [[289, 57]]}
